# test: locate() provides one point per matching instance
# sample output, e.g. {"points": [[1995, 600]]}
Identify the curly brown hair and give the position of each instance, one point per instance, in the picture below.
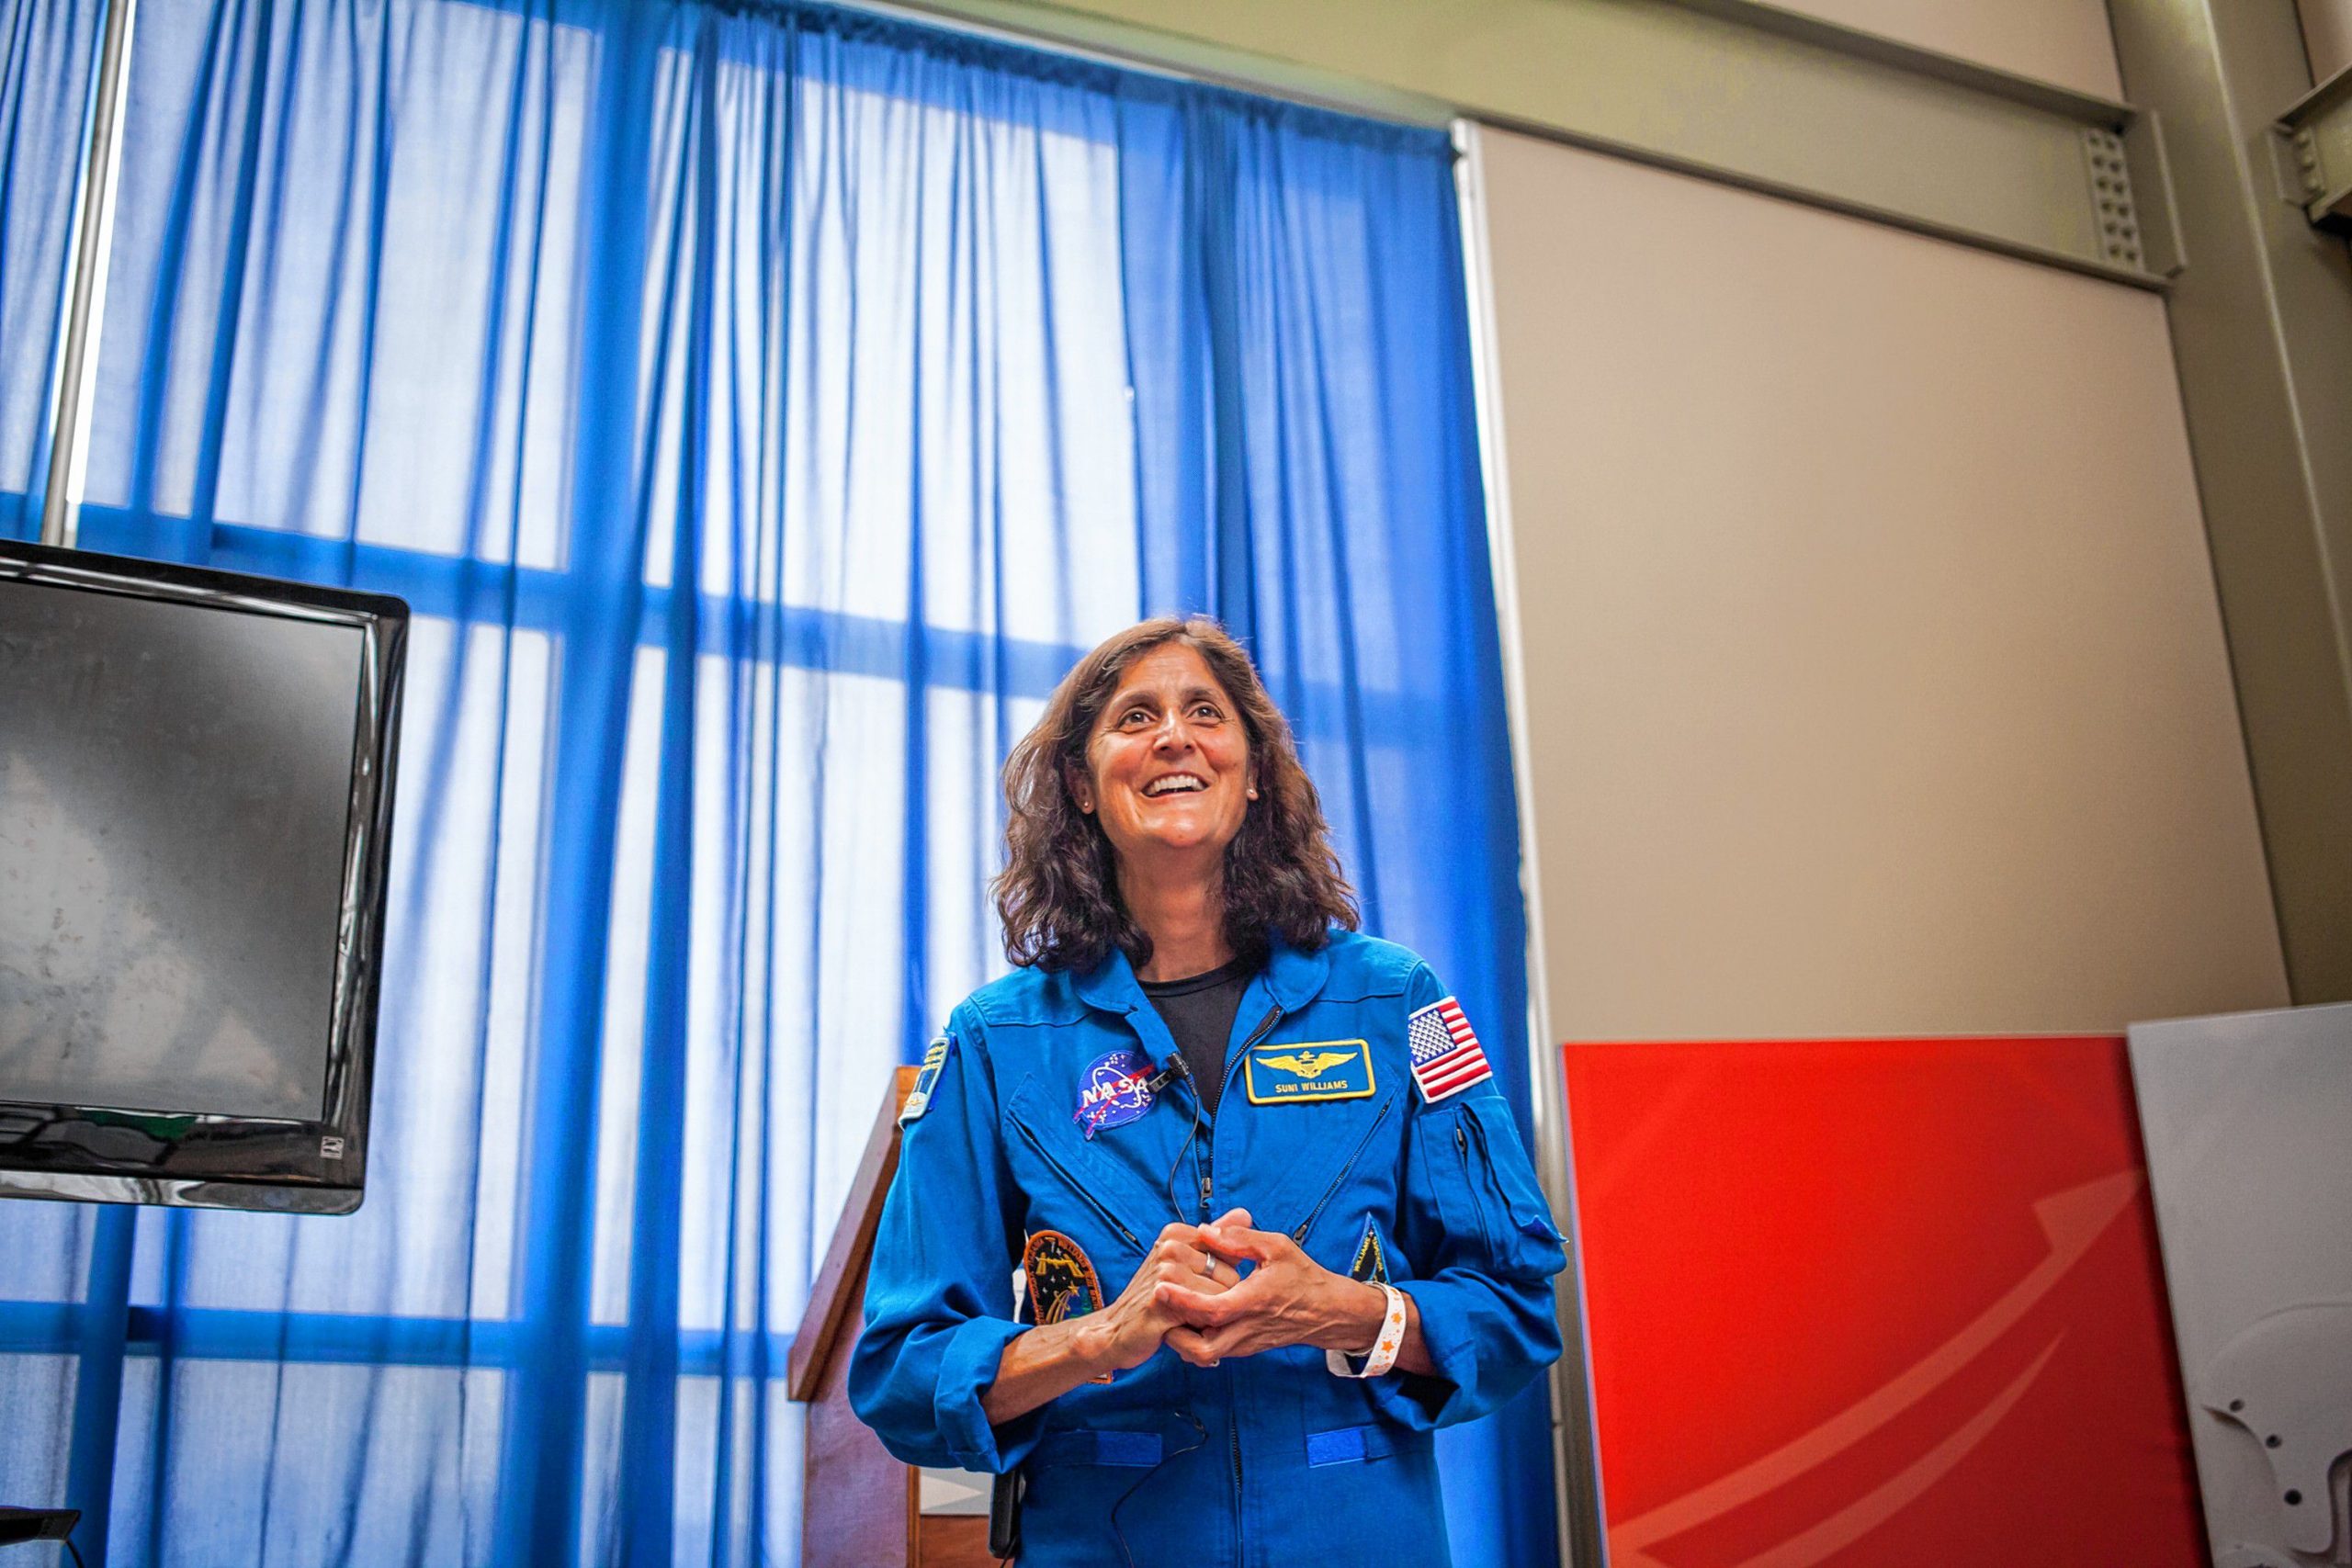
{"points": [[1059, 894]]}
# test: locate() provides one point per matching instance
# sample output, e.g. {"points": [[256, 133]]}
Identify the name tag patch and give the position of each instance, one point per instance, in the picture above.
{"points": [[918, 1100], [1319, 1069]]}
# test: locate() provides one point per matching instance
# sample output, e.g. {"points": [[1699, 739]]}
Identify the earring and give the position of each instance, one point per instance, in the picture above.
{"points": [[1253, 791]]}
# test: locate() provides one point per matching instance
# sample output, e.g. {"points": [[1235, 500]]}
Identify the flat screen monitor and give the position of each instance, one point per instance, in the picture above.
{"points": [[196, 800]]}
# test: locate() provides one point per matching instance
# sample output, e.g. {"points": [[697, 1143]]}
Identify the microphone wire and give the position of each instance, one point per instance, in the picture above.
{"points": [[1185, 1071], [1198, 1442]]}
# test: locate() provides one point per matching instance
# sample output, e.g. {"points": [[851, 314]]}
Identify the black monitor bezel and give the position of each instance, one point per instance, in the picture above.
{"points": [[81, 1152]]}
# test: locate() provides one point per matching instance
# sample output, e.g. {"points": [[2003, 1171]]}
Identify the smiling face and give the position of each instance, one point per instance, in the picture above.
{"points": [[1168, 762]]}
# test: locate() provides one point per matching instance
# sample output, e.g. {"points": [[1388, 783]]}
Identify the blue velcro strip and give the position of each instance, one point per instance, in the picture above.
{"points": [[1138, 1450], [1349, 1445], [1127, 1447]]}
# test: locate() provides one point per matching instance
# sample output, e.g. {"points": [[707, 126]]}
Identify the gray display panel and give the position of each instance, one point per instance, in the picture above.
{"points": [[2247, 1120], [174, 804]]}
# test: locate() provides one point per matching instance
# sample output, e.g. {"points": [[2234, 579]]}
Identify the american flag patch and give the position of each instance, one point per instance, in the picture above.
{"points": [[1447, 1057]]}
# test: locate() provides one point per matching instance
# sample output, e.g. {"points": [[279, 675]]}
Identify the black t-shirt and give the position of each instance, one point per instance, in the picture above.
{"points": [[1199, 1012]]}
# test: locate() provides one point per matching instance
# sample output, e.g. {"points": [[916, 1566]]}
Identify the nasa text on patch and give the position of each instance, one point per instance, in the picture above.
{"points": [[1115, 1088], [1317, 1069]]}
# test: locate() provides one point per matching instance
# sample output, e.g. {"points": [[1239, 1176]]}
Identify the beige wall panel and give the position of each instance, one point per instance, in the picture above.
{"points": [[1875, 678], [2327, 35], [2065, 41], [1504, 55]]}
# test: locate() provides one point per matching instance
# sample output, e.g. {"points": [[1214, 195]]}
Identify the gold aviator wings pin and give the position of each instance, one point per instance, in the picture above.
{"points": [[1308, 1063]]}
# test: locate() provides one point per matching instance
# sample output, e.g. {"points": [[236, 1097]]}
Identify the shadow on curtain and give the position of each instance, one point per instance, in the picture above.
{"points": [[761, 407]]}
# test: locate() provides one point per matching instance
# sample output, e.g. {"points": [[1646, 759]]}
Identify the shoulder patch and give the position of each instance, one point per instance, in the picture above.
{"points": [[1059, 1281], [1062, 1282], [1447, 1057], [933, 1058], [1371, 1262]]}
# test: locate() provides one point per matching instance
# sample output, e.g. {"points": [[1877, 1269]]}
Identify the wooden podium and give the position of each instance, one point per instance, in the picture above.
{"points": [[861, 1508]]}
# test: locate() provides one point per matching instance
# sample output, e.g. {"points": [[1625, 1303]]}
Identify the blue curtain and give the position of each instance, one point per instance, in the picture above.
{"points": [[761, 406]]}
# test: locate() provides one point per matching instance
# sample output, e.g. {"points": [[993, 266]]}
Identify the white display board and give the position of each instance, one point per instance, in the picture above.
{"points": [[2247, 1120]]}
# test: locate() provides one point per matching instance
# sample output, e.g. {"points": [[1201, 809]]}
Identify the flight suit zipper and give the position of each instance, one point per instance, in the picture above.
{"points": [[1233, 1425], [1299, 1235], [1233, 1401], [1265, 1027], [1076, 1186]]}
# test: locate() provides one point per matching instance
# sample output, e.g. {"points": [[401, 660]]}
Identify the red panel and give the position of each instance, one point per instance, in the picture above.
{"points": [[1861, 1302]]}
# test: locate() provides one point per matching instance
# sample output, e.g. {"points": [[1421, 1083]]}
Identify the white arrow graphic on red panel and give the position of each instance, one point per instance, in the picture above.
{"points": [[2072, 1220]]}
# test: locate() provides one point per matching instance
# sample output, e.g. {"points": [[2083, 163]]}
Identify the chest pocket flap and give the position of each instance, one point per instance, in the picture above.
{"points": [[1100, 1174], [1344, 1136]]}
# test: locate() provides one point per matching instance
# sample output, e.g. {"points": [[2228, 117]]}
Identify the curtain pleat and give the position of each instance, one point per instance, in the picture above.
{"points": [[761, 407]]}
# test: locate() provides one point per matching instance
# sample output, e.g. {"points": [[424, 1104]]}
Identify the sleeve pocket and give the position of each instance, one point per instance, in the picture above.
{"points": [[1510, 1176], [1461, 1197]]}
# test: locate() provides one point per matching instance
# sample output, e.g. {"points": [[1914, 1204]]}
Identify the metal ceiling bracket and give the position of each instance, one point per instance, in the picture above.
{"points": [[1753, 94], [2118, 223], [2315, 136]]}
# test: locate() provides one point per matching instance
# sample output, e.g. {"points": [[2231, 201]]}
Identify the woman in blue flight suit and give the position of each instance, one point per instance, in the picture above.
{"points": [[1235, 1332]]}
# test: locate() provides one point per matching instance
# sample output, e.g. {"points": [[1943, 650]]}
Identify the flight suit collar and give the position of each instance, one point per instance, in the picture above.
{"points": [[1292, 977]]}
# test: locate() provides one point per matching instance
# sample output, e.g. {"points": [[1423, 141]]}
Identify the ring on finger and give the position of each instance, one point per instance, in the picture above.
{"points": [[1208, 1267]]}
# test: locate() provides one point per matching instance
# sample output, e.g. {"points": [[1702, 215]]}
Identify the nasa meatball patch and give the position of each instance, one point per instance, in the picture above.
{"points": [[1115, 1089]]}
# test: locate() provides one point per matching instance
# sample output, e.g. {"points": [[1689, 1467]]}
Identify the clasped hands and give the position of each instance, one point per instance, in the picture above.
{"points": [[1191, 1295]]}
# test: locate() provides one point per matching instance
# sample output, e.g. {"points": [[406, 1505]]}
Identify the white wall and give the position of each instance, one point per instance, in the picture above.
{"points": [[1875, 673]]}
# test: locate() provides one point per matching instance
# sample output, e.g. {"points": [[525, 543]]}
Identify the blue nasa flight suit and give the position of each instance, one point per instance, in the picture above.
{"points": [[1267, 1459]]}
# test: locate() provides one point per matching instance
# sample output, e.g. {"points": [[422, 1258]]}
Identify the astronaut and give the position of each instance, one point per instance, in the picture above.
{"points": [[1273, 1219]]}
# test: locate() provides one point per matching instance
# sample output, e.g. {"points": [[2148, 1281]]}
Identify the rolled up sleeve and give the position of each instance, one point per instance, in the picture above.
{"points": [[939, 1297]]}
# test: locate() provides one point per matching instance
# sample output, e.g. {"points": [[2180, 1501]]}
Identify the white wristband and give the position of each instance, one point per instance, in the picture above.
{"points": [[1383, 1354]]}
